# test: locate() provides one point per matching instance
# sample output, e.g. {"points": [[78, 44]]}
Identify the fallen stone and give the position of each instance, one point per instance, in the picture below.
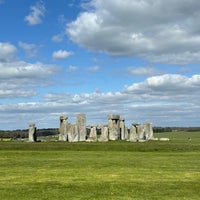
{"points": [[164, 139]]}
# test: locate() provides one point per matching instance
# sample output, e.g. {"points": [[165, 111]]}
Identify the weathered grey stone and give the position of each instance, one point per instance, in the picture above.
{"points": [[155, 139], [126, 133], [164, 139], [113, 127], [81, 124], [75, 133], [142, 140], [63, 128], [93, 135], [104, 134], [122, 128], [133, 134], [140, 132], [71, 133], [111, 116], [32, 135], [148, 131]]}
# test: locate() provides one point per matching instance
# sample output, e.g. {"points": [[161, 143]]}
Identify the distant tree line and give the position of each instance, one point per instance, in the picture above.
{"points": [[162, 129], [173, 129], [15, 134]]}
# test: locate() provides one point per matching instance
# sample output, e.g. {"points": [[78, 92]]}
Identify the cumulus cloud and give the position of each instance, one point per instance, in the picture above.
{"points": [[169, 88], [36, 13], [168, 100], [9, 93], [7, 52], [21, 69], [133, 28], [19, 78], [61, 54]]}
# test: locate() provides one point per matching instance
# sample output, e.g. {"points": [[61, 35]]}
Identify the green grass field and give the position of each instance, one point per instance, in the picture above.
{"points": [[113, 170]]}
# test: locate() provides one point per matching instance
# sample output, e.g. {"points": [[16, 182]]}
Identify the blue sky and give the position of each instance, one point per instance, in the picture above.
{"points": [[138, 59]]}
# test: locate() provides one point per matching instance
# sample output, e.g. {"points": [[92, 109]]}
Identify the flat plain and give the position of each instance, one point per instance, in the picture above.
{"points": [[112, 170]]}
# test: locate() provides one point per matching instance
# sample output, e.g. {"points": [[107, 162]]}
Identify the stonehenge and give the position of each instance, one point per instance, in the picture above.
{"points": [[114, 130]]}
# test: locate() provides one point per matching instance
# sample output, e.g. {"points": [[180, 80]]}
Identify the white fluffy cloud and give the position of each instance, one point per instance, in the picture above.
{"points": [[166, 100], [19, 78], [36, 13], [159, 31], [21, 69], [167, 88], [61, 54], [7, 52]]}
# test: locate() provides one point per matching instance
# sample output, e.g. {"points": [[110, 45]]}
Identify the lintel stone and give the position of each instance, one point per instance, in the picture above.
{"points": [[111, 116]]}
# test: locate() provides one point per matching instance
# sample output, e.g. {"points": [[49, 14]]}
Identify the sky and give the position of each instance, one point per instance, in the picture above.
{"points": [[136, 58]]}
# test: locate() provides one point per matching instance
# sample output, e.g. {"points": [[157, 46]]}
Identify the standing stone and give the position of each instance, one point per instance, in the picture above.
{"points": [[81, 125], [76, 133], [104, 134], [126, 133], [140, 132], [63, 128], [70, 130], [148, 130], [73, 132], [133, 134], [93, 134], [32, 136], [113, 127], [122, 128]]}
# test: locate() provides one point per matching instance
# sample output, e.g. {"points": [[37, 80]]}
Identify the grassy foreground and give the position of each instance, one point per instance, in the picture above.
{"points": [[113, 170]]}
